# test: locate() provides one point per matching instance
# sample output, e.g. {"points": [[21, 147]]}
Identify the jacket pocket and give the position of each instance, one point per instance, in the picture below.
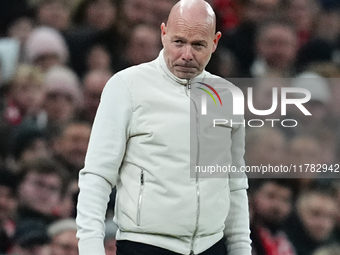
{"points": [[140, 198]]}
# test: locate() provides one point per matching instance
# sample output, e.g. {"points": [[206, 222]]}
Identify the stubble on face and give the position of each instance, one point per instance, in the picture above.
{"points": [[188, 38]]}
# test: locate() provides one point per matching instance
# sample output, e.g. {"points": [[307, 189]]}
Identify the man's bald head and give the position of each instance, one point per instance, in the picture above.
{"points": [[193, 11], [189, 38]]}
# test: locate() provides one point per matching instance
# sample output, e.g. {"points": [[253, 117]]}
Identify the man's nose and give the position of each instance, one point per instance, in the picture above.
{"points": [[187, 53]]}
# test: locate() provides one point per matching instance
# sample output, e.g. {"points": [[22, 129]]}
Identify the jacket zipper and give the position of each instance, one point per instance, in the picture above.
{"points": [[140, 196], [196, 177]]}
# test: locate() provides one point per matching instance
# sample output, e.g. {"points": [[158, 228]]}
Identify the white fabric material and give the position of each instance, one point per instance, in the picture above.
{"points": [[143, 127]]}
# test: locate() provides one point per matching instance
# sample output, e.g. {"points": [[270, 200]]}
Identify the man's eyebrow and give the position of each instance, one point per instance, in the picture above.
{"points": [[179, 38], [200, 42], [204, 42]]}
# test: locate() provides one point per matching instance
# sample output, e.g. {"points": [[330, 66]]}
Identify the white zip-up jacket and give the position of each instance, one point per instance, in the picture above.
{"points": [[140, 142]]}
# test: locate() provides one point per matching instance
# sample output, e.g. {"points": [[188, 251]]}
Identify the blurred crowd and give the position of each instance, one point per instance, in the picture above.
{"points": [[56, 57]]}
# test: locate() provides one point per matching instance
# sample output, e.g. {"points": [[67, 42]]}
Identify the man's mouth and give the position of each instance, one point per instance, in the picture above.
{"points": [[186, 67]]}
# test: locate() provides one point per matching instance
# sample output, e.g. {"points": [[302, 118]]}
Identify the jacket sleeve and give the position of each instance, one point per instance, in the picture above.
{"points": [[237, 231], [105, 153]]}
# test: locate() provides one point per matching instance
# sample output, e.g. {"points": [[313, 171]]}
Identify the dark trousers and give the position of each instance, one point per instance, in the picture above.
{"points": [[125, 247]]}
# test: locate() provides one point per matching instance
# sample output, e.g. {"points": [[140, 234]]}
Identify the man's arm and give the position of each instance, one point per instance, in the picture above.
{"points": [[105, 153], [237, 229]]}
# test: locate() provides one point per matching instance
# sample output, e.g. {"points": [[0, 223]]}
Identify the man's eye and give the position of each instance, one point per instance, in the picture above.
{"points": [[178, 42], [199, 46]]}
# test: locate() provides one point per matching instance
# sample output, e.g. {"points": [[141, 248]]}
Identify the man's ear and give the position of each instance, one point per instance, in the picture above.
{"points": [[163, 28], [163, 32], [216, 39]]}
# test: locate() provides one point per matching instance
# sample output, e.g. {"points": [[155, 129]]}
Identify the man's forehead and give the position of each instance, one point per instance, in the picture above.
{"points": [[184, 28]]}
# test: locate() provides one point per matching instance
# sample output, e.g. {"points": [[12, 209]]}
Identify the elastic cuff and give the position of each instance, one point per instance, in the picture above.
{"points": [[93, 246]]}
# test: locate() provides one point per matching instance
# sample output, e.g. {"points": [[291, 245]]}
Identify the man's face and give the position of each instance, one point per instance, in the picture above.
{"points": [[40, 192], [65, 243], [260, 10], [188, 46], [277, 45], [318, 214], [93, 87], [272, 203], [7, 203], [55, 14], [73, 144]]}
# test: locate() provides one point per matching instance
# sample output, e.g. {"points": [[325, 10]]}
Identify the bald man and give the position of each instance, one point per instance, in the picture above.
{"points": [[140, 143]]}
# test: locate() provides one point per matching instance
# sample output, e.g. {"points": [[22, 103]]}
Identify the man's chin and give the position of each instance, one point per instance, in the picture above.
{"points": [[186, 75]]}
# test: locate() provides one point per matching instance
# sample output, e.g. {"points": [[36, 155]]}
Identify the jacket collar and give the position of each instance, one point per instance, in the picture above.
{"points": [[163, 66]]}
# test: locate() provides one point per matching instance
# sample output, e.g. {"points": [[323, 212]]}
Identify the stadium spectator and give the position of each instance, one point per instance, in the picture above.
{"points": [[276, 49], [143, 46], [264, 96], [54, 13], [20, 28], [25, 97], [99, 15], [63, 96], [303, 14], [160, 10], [71, 145], [30, 238], [241, 40], [301, 150], [93, 85], [63, 237], [320, 96], [41, 186], [96, 28], [98, 58], [135, 12], [46, 47], [8, 185], [22, 102], [271, 202], [265, 146], [27, 143], [310, 227]]}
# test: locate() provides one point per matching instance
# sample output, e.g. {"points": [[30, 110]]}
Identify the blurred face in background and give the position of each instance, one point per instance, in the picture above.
{"points": [[304, 150], [98, 58], [60, 106], [72, 145], [144, 45], [94, 84], [161, 10], [101, 14], [46, 61], [40, 191], [39, 148], [267, 148], [277, 45], [21, 28], [272, 204], [54, 13], [318, 214], [138, 12], [28, 95], [302, 13], [65, 243], [260, 10], [7, 204]]}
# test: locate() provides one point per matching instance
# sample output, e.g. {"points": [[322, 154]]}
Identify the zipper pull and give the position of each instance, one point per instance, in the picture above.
{"points": [[142, 177], [189, 84]]}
